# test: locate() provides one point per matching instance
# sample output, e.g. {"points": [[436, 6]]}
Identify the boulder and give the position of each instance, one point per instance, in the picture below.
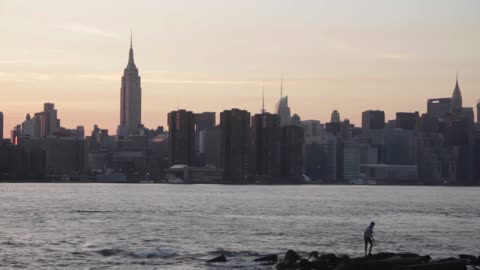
{"points": [[304, 264], [267, 258], [220, 258], [368, 263], [467, 257], [470, 259], [282, 266], [329, 258], [319, 264], [456, 265], [291, 257], [313, 255]]}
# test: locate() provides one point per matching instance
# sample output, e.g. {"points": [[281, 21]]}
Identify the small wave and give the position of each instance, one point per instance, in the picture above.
{"points": [[91, 211], [142, 254], [159, 253], [229, 253], [11, 243], [110, 252]]}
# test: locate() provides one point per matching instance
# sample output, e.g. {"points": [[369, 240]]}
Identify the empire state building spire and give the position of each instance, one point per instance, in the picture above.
{"points": [[131, 61]]}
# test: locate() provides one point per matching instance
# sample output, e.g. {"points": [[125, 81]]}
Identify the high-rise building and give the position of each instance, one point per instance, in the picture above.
{"points": [[64, 155], [1, 126], [406, 120], [291, 154], [439, 107], [130, 99], [295, 120], [400, 147], [312, 129], [373, 127], [28, 127], [234, 145], [265, 146], [456, 99], [335, 118], [181, 138], [48, 120], [373, 119], [351, 160], [429, 149], [347, 130], [15, 134], [282, 109], [478, 112], [213, 147], [203, 121]]}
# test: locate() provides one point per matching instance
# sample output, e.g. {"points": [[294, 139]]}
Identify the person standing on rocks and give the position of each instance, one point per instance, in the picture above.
{"points": [[368, 238]]}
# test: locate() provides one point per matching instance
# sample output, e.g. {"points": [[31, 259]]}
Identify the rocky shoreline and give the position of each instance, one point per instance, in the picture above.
{"points": [[291, 260]]}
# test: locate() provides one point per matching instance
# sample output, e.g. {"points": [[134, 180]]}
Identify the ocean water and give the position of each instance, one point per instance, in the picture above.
{"points": [[153, 226]]}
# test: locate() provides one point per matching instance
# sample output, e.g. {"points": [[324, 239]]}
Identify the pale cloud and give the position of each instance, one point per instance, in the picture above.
{"points": [[4, 76], [101, 77], [200, 81], [25, 76], [86, 29]]}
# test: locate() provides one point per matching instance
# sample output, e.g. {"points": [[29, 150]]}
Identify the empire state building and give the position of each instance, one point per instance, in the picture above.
{"points": [[130, 99]]}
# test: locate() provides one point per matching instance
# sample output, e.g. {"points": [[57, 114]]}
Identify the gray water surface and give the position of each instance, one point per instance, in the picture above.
{"points": [[151, 226]]}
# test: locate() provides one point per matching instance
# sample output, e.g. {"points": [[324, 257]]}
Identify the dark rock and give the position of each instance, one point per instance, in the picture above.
{"points": [[291, 257], [457, 265], [313, 255], [329, 258], [304, 264], [467, 257], [408, 255], [267, 258], [371, 263], [470, 259], [449, 259], [383, 255], [220, 258], [281, 266], [343, 257], [320, 264]]}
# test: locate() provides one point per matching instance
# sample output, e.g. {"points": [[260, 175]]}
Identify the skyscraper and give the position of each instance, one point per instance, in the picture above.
{"points": [[1, 126], [130, 99], [265, 139], [291, 154], [49, 122], [373, 119], [406, 120], [203, 122], [234, 145], [335, 118], [181, 139], [478, 112], [282, 109], [456, 99], [439, 107]]}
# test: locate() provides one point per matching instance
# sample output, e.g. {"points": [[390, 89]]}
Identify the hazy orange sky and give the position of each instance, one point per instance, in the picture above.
{"points": [[215, 55]]}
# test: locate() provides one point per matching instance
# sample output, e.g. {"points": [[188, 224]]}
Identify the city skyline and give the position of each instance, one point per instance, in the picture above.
{"points": [[207, 83]]}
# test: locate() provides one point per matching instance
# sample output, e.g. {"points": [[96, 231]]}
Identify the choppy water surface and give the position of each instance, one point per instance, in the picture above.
{"points": [[148, 226]]}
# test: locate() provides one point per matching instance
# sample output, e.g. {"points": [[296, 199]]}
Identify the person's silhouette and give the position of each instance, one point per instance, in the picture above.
{"points": [[368, 238]]}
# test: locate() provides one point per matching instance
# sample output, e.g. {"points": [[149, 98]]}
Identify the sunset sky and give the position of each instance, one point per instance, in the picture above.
{"points": [[214, 55]]}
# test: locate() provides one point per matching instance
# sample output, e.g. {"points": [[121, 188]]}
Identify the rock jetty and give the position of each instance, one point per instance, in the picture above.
{"points": [[292, 260]]}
